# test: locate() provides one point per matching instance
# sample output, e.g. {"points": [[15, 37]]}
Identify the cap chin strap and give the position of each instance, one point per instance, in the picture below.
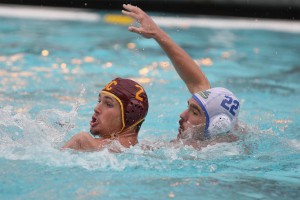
{"points": [[116, 135], [121, 105], [207, 120]]}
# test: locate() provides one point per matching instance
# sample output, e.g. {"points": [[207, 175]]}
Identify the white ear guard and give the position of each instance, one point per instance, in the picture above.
{"points": [[219, 124], [221, 109]]}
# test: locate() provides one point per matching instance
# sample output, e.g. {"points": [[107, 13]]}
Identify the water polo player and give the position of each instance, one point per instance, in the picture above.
{"points": [[211, 111], [118, 116]]}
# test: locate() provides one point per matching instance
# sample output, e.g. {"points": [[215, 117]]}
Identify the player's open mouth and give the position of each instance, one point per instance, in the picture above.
{"points": [[94, 121]]}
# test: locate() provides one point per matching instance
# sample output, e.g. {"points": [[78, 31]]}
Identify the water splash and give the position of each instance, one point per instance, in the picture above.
{"points": [[23, 136], [39, 139], [48, 128]]}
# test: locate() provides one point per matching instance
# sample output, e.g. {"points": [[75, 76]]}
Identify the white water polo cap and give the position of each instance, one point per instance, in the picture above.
{"points": [[221, 109]]}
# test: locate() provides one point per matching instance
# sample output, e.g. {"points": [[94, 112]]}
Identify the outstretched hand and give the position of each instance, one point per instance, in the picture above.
{"points": [[147, 28], [185, 66]]}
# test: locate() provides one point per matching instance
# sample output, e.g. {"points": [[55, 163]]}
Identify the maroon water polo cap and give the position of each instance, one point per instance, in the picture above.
{"points": [[132, 99]]}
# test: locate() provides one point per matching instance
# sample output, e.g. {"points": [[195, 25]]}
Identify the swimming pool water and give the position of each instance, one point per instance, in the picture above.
{"points": [[52, 70]]}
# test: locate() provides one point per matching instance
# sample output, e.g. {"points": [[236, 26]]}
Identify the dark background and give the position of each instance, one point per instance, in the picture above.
{"points": [[280, 9]]}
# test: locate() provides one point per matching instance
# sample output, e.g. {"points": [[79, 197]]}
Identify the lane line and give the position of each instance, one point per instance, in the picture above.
{"points": [[46, 13]]}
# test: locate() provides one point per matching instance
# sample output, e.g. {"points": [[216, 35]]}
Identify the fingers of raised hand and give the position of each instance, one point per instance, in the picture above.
{"points": [[133, 12], [135, 29], [131, 8]]}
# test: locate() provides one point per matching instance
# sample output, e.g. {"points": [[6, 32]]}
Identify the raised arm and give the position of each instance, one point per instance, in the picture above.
{"points": [[185, 66]]}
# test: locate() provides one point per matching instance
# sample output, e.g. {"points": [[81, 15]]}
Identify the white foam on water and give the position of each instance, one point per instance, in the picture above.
{"points": [[40, 138], [292, 143], [42, 143], [48, 128]]}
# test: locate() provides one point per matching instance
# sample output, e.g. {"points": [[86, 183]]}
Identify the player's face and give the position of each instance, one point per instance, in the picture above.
{"points": [[107, 117], [192, 121]]}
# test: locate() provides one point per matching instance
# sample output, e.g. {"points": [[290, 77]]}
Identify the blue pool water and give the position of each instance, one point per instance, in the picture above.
{"points": [[52, 70]]}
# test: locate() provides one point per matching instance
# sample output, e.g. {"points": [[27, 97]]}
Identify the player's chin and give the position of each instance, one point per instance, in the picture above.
{"points": [[180, 134], [94, 132]]}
